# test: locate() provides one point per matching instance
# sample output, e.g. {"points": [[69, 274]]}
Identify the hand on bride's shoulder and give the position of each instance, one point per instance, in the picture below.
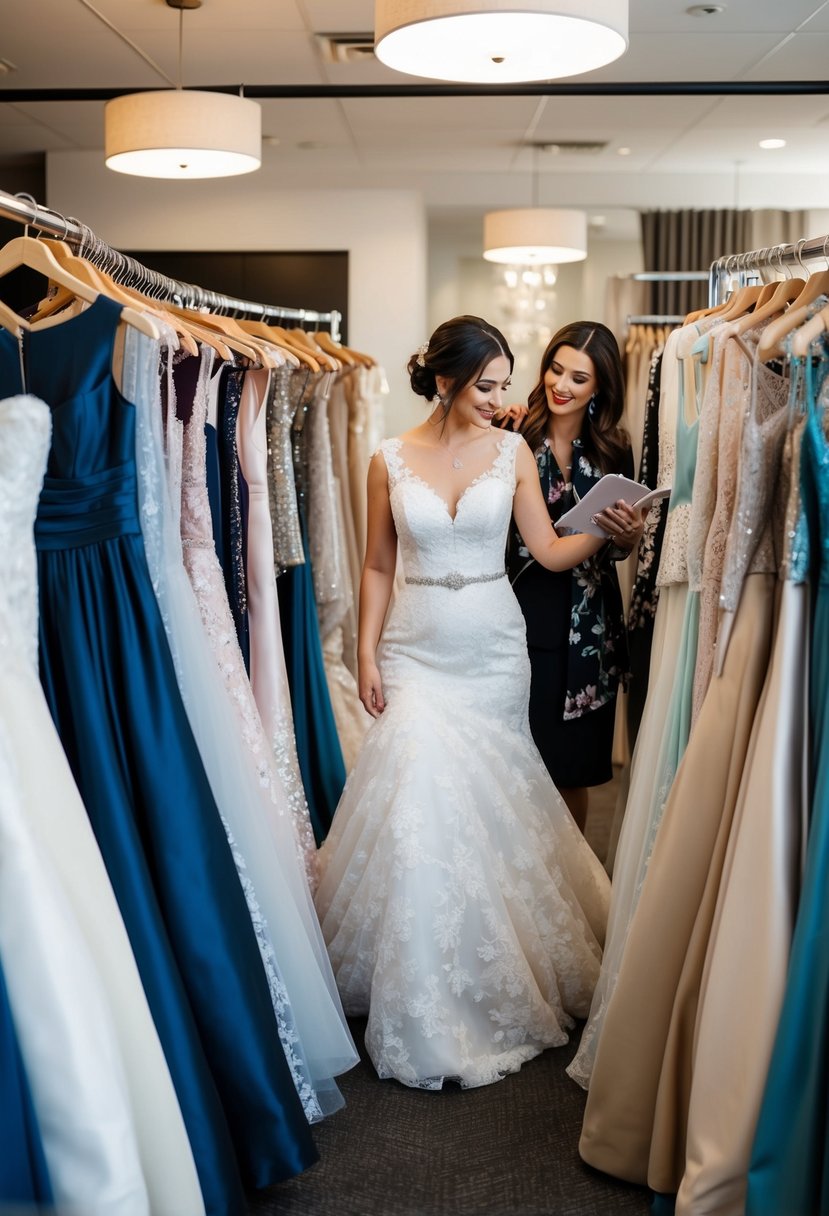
{"points": [[511, 415]]}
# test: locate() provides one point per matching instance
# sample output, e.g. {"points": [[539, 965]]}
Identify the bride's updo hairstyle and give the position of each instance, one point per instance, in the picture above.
{"points": [[459, 350]]}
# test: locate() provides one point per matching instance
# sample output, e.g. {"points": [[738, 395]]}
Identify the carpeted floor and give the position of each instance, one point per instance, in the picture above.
{"points": [[509, 1149]]}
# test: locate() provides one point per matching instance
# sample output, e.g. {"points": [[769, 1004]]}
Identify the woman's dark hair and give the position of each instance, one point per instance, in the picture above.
{"points": [[604, 439], [459, 350]]}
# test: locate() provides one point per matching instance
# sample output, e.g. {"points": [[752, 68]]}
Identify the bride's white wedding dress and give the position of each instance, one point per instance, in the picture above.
{"points": [[462, 908]]}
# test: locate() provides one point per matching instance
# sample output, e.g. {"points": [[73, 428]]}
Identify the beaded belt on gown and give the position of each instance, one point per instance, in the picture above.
{"points": [[454, 580]]}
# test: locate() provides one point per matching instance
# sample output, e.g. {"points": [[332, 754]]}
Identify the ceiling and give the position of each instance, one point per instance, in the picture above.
{"points": [[466, 154]]}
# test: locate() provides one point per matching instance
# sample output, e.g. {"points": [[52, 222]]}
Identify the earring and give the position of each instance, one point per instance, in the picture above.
{"points": [[591, 408]]}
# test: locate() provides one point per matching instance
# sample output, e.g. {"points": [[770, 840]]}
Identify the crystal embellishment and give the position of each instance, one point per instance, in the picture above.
{"points": [[455, 580]]}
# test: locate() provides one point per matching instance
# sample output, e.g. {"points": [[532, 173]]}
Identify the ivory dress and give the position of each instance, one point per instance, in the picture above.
{"points": [[462, 908]]}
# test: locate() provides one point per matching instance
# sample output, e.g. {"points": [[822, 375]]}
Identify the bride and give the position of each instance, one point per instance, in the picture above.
{"points": [[462, 909]]}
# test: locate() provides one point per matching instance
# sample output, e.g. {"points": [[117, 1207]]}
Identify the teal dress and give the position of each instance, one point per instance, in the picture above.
{"points": [[109, 680], [677, 728], [789, 1171], [317, 742]]}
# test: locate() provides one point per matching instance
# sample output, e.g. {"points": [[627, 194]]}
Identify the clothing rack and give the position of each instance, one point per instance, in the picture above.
{"points": [[670, 276], [742, 267], [656, 318], [129, 271]]}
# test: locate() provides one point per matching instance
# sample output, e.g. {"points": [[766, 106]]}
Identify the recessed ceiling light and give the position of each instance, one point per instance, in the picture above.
{"points": [[597, 221], [772, 143], [623, 151], [702, 10]]}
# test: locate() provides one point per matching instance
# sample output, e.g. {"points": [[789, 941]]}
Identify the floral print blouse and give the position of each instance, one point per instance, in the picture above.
{"points": [[597, 654]]}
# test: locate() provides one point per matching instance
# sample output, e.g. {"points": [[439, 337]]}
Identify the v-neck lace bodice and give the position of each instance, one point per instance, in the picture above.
{"points": [[434, 541]]}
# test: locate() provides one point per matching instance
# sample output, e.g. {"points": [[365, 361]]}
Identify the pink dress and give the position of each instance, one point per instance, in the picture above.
{"points": [[268, 674]]}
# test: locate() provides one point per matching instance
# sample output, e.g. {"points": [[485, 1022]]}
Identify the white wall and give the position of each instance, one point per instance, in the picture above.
{"points": [[384, 232], [460, 281]]}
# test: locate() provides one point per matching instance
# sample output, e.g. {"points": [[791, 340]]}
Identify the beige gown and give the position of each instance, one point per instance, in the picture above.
{"points": [[636, 1116], [744, 978]]}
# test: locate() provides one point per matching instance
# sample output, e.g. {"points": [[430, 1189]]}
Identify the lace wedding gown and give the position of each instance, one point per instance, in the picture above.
{"points": [[462, 907]]}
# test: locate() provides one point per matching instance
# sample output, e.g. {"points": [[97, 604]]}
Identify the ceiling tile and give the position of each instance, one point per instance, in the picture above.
{"points": [[407, 115], [227, 16], [803, 57], [655, 16], [689, 56]]}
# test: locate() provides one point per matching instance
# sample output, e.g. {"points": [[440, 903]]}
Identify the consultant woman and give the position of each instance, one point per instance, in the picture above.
{"points": [[575, 621]]}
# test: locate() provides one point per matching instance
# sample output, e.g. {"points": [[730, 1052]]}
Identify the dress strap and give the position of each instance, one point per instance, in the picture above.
{"points": [[390, 449], [503, 467]]}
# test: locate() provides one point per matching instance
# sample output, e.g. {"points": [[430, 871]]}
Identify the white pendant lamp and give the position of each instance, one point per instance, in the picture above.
{"points": [[178, 133], [532, 236], [499, 41]]}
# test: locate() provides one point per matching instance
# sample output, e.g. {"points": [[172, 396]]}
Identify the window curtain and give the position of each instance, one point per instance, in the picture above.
{"points": [[692, 240], [773, 227], [689, 240]]}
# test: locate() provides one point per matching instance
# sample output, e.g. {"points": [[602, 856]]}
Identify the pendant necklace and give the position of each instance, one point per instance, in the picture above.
{"points": [[457, 463]]}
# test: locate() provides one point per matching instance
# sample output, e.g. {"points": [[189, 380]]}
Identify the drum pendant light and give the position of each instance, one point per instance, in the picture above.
{"points": [[533, 236], [178, 133], [499, 41], [181, 133]]}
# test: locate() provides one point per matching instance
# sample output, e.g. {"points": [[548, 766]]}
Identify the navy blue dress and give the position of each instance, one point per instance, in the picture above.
{"points": [[24, 1177], [111, 687]]}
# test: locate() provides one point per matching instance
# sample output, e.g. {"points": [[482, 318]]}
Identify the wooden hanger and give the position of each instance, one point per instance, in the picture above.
{"points": [[810, 332], [741, 302], [699, 313], [326, 361], [31, 252], [325, 340], [771, 345], [281, 338], [226, 329], [784, 293], [106, 285], [268, 334], [341, 353]]}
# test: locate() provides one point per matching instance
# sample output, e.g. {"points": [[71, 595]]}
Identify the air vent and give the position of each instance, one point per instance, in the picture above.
{"points": [[573, 147], [346, 48]]}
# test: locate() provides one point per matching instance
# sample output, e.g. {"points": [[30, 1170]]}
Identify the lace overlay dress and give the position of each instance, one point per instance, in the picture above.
{"points": [[314, 1037], [206, 577], [734, 398], [462, 908]]}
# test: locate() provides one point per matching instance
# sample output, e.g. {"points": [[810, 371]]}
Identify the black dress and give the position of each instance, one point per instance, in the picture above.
{"points": [[575, 635]]}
